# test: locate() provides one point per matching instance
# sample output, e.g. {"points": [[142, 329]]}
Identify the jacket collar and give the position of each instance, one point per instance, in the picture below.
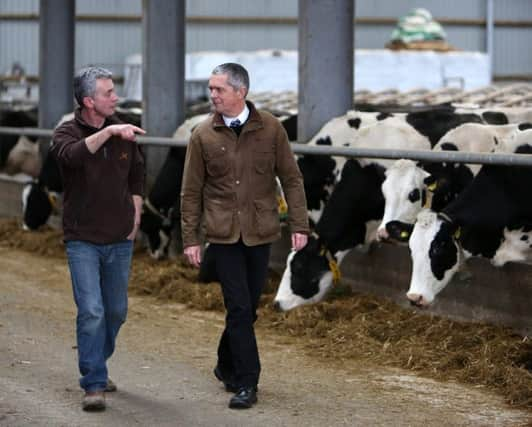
{"points": [[253, 122]]}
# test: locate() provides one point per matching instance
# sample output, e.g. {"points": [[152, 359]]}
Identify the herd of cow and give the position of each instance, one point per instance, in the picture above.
{"points": [[445, 212]]}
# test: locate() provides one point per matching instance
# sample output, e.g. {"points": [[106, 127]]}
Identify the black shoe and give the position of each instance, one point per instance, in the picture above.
{"points": [[227, 384], [245, 398]]}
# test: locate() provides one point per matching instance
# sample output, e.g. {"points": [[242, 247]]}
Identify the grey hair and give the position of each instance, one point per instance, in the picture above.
{"points": [[85, 82], [237, 75]]}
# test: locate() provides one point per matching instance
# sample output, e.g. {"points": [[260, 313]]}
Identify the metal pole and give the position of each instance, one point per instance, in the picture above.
{"points": [[56, 61], [489, 34], [325, 63], [297, 148], [163, 74]]}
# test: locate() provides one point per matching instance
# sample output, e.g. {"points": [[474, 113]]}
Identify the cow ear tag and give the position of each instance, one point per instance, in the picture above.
{"points": [[404, 235], [333, 266], [457, 233], [282, 207], [432, 187]]}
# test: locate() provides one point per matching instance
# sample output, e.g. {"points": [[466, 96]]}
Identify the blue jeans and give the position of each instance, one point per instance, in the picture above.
{"points": [[100, 276]]}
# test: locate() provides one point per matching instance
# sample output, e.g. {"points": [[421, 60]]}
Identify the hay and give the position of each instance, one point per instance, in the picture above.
{"points": [[346, 326]]}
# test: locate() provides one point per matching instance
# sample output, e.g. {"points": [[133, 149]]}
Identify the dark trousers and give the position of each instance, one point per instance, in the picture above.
{"points": [[242, 271]]}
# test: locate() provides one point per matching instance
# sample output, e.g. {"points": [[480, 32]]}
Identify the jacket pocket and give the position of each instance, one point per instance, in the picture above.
{"points": [[217, 161], [218, 218], [264, 159], [267, 217]]}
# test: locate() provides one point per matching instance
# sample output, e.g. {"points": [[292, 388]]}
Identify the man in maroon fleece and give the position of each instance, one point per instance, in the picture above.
{"points": [[103, 175]]}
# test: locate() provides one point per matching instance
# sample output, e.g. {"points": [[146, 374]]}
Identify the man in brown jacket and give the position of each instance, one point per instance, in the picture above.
{"points": [[103, 177], [229, 186]]}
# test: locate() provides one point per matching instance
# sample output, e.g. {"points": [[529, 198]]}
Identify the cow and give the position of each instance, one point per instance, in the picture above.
{"points": [[349, 218], [491, 218], [161, 208], [305, 280], [19, 154], [409, 185], [41, 196]]}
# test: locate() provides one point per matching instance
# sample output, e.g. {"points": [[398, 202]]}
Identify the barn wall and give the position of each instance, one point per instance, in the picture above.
{"points": [[19, 37]]}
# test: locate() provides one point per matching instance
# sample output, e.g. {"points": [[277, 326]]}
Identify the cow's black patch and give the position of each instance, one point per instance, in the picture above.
{"points": [[318, 174], [495, 118], [354, 123], [443, 252], [495, 140], [290, 126], [524, 149], [436, 123], [382, 116], [449, 146], [324, 141], [308, 267], [524, 126], [524, 237]]}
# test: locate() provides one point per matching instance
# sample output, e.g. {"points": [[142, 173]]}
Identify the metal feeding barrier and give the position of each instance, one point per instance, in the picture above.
{"points": [[298, 148]]}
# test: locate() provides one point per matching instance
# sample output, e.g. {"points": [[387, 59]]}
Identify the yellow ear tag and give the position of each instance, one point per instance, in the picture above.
{"points": [[457, 233], [404, 234], [432, 186], [53, 201], [282, 207], [333, 266]]}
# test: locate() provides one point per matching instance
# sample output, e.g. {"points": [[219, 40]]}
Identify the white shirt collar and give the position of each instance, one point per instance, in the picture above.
{"points": [[243, 116]]}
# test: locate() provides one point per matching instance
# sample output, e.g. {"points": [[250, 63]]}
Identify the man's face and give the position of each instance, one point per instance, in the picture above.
{"points": [[104, 100], [224, 97]]}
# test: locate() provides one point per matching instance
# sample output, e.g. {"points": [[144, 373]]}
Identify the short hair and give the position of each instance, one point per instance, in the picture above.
{"points": [[85, 82], [237, 75]]}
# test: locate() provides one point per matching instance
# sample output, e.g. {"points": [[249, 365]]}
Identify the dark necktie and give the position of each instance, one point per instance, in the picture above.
{"points": [[236, 126]]}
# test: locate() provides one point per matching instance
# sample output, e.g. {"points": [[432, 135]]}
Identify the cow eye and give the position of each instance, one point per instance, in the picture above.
{"points": [[414, 195]]}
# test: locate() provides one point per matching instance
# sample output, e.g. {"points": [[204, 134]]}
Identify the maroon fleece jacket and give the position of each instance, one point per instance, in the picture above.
{"points": [[98, 188]]}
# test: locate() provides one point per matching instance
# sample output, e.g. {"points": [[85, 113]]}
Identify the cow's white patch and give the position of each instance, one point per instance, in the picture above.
{"points": [[513, 248]]}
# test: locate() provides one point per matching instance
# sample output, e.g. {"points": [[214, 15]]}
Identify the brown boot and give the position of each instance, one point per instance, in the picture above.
{"points": [[93, 401]]}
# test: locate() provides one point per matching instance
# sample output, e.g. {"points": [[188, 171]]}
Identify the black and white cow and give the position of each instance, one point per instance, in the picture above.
{"points": [[161, 208], [305, 280], [491, 218], [349, 217], [42, 196], [409, 186]]}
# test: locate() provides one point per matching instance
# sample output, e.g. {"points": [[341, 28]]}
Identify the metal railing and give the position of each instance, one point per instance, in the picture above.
{"points": [[425, 155]]}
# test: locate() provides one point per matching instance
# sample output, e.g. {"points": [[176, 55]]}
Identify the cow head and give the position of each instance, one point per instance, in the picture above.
{"points": [[405, 194], [38, 203], [309, 274], [436, 257]]}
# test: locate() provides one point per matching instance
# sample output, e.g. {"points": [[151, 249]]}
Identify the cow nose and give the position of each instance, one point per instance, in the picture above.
{"points": [[415, 299], [277, 306], [382, 234]]}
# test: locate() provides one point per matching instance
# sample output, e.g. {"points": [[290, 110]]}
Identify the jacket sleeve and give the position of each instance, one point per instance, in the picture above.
{"points": [[69, 150], [137, 172], [191, 192], [292, 183]]}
